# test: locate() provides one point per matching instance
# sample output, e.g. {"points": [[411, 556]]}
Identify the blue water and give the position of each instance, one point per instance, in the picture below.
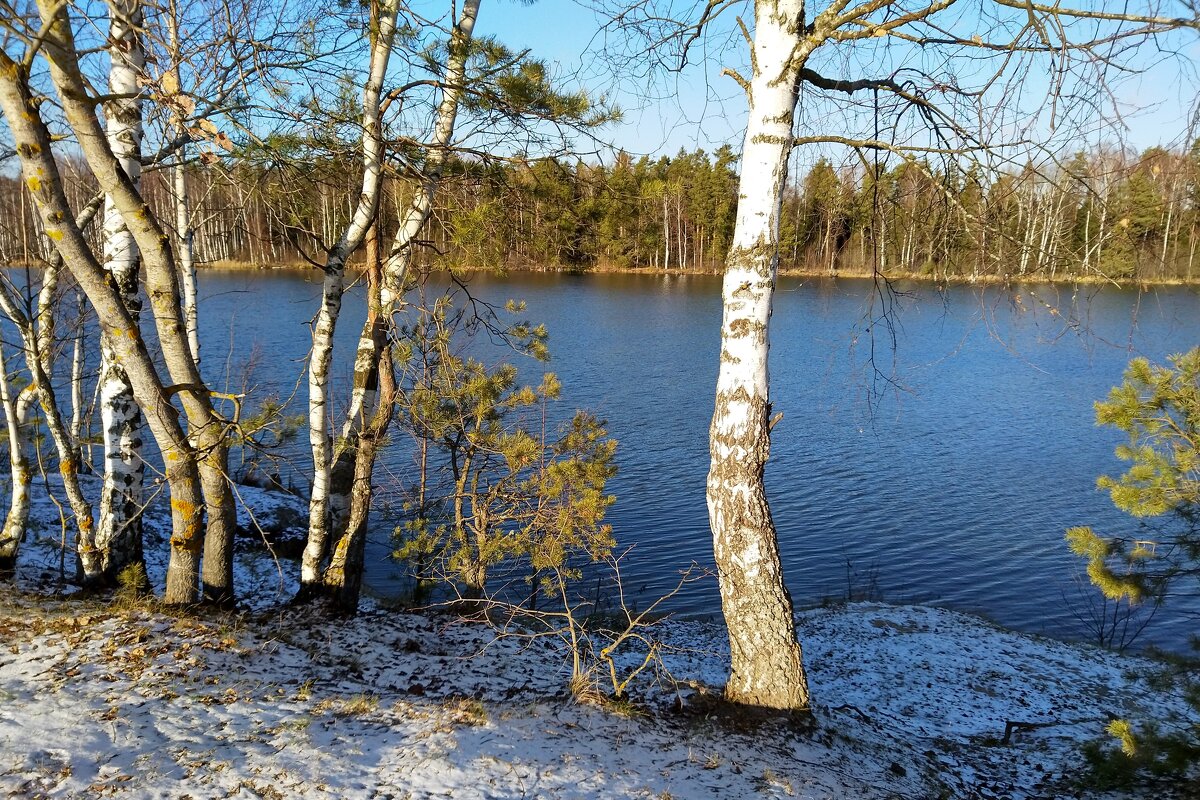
{"points": [[941, 467]]}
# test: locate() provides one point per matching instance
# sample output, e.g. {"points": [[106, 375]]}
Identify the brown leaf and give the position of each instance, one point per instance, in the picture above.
{"points": [[184, 104]]}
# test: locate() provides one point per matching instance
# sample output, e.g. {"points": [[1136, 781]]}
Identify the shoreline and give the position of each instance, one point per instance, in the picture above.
{"points": [[938, 281], [265, 512], [853, 275]]}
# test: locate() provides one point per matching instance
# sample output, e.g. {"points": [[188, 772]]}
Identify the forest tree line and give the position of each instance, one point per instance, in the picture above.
{"points": [[1101, 214]]}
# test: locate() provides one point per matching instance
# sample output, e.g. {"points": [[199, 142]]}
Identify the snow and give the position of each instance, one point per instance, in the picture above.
{"points": [[102, 700]]}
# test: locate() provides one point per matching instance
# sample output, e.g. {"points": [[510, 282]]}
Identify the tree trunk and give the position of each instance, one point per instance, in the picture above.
{"points": [[666, 233], [766, 660], [16, 522], [83, 452], [1191, 251], [345, 574], [41, 175], [367, 418], [400, 255], [375, 394], [316, 548], [119, 537], [1167, 231], [186, 258]]}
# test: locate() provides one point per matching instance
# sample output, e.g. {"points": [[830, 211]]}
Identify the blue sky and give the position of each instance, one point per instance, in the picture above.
{"points": [[700, 108]]}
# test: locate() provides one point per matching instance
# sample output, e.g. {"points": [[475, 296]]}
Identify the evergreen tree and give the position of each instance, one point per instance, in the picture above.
{"points": [[1158, 408], [499, 486]]}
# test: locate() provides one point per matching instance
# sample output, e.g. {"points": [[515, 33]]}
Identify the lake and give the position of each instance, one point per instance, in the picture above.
{"points": [[941, 467]]}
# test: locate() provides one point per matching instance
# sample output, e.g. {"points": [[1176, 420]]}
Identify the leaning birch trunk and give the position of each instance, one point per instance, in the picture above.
{"points": [[344, 575], [395, 270], [39, 347], [17, 520], [41, 176], [207, 429], [353, 465], [317, 546], [119, 536], [766, 660]]}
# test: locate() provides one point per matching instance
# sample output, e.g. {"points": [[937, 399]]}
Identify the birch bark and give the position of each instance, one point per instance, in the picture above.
{"points": [[767, 669], [317, 547], [83, 452], [118, 539], [350, 491], [40, 174], [206, 428], [16, 521], [343, 577]]}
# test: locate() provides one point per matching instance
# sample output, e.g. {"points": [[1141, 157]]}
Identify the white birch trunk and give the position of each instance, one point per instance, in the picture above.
{"points": [[766, 660], [1048, 222], [17, 520], [1087, 240], [350, 488], [1102, 230], [118, 536], [184, 234], [680, 232], [1167, 229], [666, 234], [316, 548], [83, 451], [185, 255]]}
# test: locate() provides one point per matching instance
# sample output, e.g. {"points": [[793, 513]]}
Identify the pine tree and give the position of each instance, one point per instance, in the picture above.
{"points": [[1158, 408], [516, 492]]}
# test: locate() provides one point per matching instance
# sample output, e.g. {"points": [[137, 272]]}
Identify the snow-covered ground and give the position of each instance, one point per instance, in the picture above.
{"points": [[910, 702]]}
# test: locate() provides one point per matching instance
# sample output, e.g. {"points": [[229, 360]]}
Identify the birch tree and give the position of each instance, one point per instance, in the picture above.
{"points": [[767, 668], [317, 546], [370, 411], [988, 42], [118, 539], [201, 501]]}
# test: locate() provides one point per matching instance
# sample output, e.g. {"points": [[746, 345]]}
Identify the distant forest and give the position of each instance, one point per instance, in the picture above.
{"points": [[1101, 214]]}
